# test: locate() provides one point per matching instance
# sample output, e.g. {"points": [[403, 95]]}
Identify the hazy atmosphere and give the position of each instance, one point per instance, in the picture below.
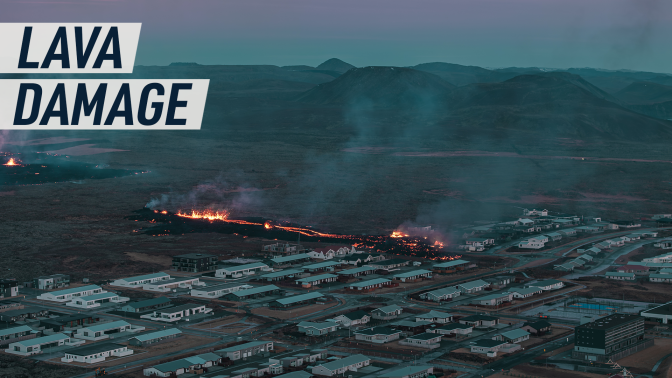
{"points": [[610, 34]]}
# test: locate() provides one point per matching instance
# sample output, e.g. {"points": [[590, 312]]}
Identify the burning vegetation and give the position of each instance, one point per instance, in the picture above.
{"points": [[182, 222]]}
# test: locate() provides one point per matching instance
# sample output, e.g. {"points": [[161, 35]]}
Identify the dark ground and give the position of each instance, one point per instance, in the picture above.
{"points": [[340, 168]]}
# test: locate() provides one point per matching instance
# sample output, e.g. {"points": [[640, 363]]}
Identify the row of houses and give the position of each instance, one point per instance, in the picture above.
{"points": [[632, 272]]}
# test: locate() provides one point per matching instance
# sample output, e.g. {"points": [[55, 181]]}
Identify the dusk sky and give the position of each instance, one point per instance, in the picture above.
{"points": [[612, 34]]}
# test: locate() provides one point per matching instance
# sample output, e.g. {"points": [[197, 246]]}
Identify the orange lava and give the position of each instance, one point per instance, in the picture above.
{"points": [[206, 214], [11, 162], [398, 234]]}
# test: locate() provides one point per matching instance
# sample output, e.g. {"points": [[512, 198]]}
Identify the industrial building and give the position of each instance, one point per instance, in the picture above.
{"points": [[610, 338], [194, 262]]}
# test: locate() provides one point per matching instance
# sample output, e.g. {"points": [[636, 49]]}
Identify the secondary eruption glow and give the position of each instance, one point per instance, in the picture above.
{"points": [[429, 246], [11, 162]]}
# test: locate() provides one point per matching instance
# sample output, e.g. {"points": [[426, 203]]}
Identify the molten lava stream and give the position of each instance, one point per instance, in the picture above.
{"points": [[11, 162]]}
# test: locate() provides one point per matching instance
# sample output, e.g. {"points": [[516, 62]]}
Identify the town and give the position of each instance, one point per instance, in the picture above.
{"points": [[543, 294]]}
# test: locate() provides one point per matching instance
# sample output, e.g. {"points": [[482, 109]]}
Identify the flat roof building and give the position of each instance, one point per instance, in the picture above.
{"points": [[139, 281], [95, 353], [69, 294], [146, 305], [610, 338]]}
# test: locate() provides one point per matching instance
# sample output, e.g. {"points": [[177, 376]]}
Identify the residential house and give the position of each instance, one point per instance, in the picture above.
{"points": [[146, 305], [415, 371], [282, 249], [33, 346], [316, 280], [240, 271], [341, 366], [472, 286], [92, 354], [96, 300], [387, 312], [377, 335], [317, 328], [538, 328], [491, 347], [480, 321], [177, 313], [193, 365], [104, 330], [370, 285], [524, 292], [255, 292], [414, 275], [536, 242], [620, 276], [283, 275], [452, 266], [139, 281], [218, 290], [173, 284], [14, 334], [514, 336], [154, 337], [356, 272], [453, 329], [353, 318], [390, 264], [295, 300], [662, 278], [411, 327], [245, 350], [321, 267], [435, 317], [637, 269], [280, 261], [566, 267], [547, 285], [438, 295], [69, 294], [493, 299], [425, 340]]}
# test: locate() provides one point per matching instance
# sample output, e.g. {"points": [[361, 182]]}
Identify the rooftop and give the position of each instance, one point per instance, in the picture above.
{"points": [[473, 284], [9, 331], [43, 340], [157, 334], [487, 343], [424, 336], [610, 321], [256, 290], [346, 361], [450, 263], [93, 349], [356, 315], [282, 273], [299, 298], [377, 331], [317, 278], [250, 344], [145, 277], [413, 273], [75, 290], [149, 302], [282, 259], [106, 326], [545, 283], [375, 281], [514, 334], [435, 314], [237, 268], [325, 264], [361, 269]]}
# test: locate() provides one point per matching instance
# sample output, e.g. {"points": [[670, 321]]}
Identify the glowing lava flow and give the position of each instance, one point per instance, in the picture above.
{"points": [[207, 214], [398, 234], [11, 162]]}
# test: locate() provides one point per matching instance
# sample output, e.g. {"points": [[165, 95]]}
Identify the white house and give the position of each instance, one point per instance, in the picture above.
{"points": [[389, 312], [535, 242], [105, 330], [30, 347], [492, 347], [425, 340], [548, 285], [378, 335], [525, 292], [416, 371], [216, 291], [173, 283], [441, 294], [341, 366], [472, 286], [184, 365], [69, 294], [96, 300], [317, 328], [621, 276], [453, 328], [435, 317], [240, 271], [174, 314], [353, 318], [246, 350], [92, 354], [139, 281]]}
